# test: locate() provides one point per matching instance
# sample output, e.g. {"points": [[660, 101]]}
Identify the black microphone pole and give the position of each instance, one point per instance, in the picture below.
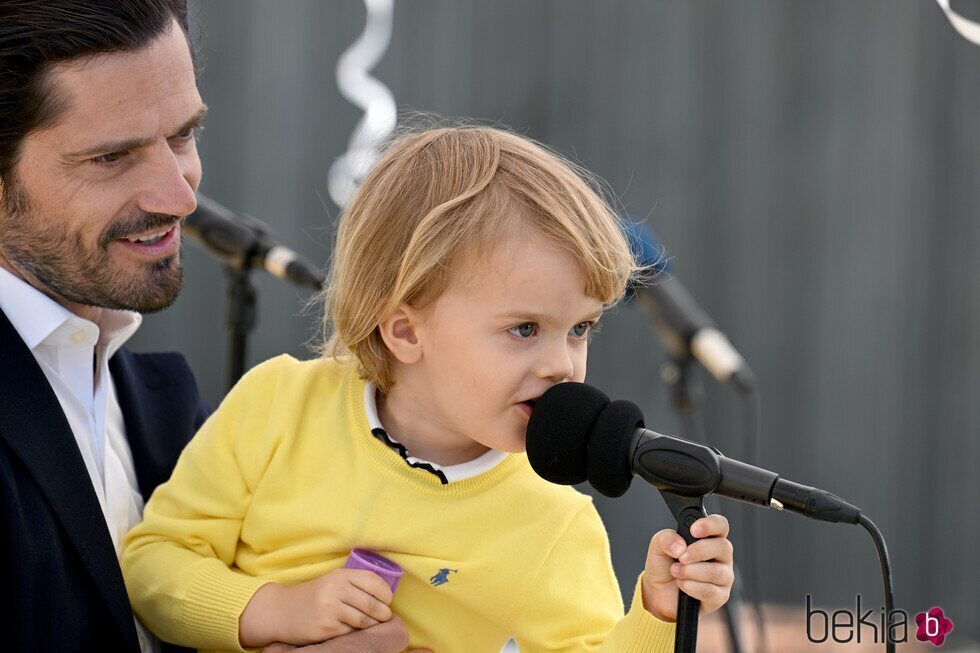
{"points": [[686, 396], [239, 320], [235, 249], [686, 510], [672, 308], [242, 243]]}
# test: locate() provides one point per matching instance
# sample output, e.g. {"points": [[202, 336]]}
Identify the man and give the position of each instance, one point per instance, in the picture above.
{"points": [[98, 166]]}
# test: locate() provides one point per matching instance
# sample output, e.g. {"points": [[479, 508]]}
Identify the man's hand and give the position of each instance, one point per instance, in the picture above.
{"points": [[704, 570], [388, 637]]}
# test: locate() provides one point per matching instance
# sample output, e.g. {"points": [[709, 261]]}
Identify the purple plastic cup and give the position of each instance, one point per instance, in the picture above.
{"points": [[382, 566]]}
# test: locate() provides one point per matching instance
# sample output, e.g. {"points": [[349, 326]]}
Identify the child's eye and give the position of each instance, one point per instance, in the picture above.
{"points": [[525, 330], [581, 329], [586, 329]]}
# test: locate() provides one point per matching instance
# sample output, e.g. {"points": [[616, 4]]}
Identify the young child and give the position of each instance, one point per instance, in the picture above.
{"points": [[468, 275]]}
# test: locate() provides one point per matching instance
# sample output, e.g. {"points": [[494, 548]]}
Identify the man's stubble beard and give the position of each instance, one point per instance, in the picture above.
{"points": [[59, 260]]}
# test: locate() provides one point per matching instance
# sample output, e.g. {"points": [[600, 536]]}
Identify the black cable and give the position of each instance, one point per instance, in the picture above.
{"points": [[752, 437], [886, 576]]}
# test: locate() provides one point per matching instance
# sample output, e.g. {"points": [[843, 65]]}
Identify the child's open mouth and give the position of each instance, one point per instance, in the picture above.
{"points": [[527, 406]]}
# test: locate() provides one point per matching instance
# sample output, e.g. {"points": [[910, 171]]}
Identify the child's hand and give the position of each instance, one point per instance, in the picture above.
{"points": [[334, 604], [705, 570]]}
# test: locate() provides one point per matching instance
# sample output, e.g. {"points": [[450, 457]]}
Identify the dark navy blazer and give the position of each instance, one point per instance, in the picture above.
{"points": [[58, 567]]}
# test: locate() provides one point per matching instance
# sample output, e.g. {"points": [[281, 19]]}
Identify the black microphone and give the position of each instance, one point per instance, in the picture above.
{"points": [[686, 327], [576, 433], [242, 241]]}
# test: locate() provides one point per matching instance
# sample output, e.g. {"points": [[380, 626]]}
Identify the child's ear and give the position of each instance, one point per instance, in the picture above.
{"points": [[399, 334]]}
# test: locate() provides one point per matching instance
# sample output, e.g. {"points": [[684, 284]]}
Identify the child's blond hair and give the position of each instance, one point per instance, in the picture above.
{"points": [[436, 203]]}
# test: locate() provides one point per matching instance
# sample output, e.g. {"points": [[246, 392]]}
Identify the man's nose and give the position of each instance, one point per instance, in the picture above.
{"points": [[170, 184]]}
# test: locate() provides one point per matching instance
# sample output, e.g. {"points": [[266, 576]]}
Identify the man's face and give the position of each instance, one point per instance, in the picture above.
{"points": [[499, 338], [92, 216]]}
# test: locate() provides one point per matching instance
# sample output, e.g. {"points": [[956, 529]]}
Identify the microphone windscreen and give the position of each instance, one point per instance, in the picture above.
{"points": [[609, 468], [559, 429]]}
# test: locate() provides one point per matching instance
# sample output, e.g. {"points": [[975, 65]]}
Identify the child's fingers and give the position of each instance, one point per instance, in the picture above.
{"points": [[715, 573], [711, 596], [710, 526], [373, 584], [354, 618], [667, 542], [713, 548], [366, 603], [665, 546]]}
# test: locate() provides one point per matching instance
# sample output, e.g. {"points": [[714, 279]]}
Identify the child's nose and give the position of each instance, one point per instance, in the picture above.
{"points": [[556, 364]]}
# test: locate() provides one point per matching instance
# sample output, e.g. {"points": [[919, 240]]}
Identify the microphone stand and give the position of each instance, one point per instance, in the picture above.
{"points": [[239, 318], [241, 242], [686, 394]]}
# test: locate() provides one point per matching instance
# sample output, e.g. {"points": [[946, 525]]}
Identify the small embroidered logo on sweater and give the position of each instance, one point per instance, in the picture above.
{"points": [[442, 577]]}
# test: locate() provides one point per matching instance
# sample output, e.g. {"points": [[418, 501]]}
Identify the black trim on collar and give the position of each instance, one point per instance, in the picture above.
{"points": [[382, 435]]}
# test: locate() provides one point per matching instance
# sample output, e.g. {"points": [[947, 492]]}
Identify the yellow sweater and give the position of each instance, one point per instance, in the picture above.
{"points": [[286, 478]]}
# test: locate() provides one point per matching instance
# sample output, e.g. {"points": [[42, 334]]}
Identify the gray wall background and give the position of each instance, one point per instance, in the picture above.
{"points": [[813, 168]]}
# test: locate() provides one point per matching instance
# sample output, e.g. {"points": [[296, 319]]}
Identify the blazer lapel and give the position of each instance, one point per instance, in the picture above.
{"points": [[37, 431], [133, 394]]}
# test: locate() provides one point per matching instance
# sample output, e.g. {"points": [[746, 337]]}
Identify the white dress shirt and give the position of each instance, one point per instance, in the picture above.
{"points": [[74, 355]]}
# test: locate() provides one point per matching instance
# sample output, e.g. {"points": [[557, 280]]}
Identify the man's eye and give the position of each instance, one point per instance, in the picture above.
{"points": [[525, 330], [189, 134], [110, 159]]}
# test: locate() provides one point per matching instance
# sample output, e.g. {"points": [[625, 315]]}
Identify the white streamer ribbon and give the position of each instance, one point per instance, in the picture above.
{"points": [[966, 27], [369, 94]]}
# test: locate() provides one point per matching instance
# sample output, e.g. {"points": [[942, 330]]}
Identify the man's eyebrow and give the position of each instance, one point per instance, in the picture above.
{"points": [[531, 316], [136, 143]]}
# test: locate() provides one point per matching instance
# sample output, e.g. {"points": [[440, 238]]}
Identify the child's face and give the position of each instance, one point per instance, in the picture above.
{"points": [[498, 338]]}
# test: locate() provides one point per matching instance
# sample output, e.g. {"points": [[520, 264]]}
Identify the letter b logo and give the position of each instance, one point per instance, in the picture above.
{"points": [[933, 626]]}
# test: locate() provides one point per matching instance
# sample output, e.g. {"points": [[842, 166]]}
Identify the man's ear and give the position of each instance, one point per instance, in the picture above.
{"points": [[398, 332]]}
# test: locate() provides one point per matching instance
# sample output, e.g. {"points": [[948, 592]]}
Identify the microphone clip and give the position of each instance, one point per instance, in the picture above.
{"points": [[674, 465], [686, 510]]}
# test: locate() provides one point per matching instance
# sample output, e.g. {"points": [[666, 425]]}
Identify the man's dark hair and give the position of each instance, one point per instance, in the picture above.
{"points": [[38, 34]]}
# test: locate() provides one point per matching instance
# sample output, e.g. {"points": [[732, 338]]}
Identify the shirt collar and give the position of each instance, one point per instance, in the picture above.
{"points": [[371, 406], [38, 319]]}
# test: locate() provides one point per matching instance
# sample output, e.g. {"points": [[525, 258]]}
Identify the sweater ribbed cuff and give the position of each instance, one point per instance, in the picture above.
{"points": [[215, 600], [651, 634]]}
